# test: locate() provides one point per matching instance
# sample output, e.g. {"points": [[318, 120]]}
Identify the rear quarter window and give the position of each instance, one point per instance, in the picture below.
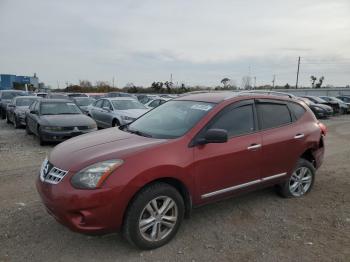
{"points": [[273, 115], [297, 109]]}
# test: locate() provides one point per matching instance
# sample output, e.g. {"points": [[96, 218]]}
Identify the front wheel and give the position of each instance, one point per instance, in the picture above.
{"points": [[301, 180], [16, 122], [154, 216]]}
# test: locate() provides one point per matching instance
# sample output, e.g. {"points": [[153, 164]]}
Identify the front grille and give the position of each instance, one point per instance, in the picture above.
{"points": [[83, 127], [51, 174]]}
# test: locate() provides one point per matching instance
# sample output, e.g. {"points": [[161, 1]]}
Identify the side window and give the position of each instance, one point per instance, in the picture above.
{"points": [[32, 106], [155, 103], [106, 103], [37, 107], [237, 121], [273, 115], [99, 103], [297, 109]]}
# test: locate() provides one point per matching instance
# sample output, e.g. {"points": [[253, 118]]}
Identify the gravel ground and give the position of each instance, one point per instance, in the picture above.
{"points": [[259, 226]]}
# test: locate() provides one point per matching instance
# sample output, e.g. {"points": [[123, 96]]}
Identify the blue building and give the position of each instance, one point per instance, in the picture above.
{"points": [[7, 81]]}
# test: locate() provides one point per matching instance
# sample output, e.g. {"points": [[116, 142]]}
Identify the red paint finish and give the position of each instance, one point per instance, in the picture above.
{"points": [[201, 169]]}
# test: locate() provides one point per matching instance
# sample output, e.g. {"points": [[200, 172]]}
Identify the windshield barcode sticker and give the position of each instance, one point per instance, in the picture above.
{"points": [[201, 107]]}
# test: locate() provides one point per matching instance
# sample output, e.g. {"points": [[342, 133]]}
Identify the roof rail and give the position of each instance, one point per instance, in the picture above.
{"points": [[267, 92]]}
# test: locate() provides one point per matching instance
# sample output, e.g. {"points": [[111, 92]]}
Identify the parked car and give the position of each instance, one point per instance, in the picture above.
{"points": [[55, 120], [318, 100], [57, 96], [72, 95], [145, 177], [144, 99], [17, 109], [110, 112], [5, 98], [41, 94], [345, 99], [119, 94], [320, 110], [156, 102], [343, 107], [84, 103]]}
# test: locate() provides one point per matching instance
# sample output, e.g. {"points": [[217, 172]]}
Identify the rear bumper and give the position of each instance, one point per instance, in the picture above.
{"points": [[319, 154]]}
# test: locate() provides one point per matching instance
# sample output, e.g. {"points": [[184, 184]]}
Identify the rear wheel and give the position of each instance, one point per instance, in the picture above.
{"points": [[42, 142], [301, 180], [8, 119], [154, 216], [115, 123], [16, 122], [3, 114], [28, 129]]}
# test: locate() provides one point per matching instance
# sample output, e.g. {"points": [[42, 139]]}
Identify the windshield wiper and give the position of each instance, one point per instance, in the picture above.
{"points": [[138, 132]]}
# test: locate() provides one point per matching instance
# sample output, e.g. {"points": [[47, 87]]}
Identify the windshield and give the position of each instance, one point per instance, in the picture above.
{"points": [[127, 104], [318, 100], [10, 95], [84, 101], [24, 101], [59, 108], [170, 120]]}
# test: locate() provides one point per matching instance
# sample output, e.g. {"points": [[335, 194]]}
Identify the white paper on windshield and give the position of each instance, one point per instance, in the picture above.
{"points": [[201, 107]]}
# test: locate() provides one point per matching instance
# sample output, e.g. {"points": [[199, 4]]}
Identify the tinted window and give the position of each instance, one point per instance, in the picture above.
{"points": [[273, 115], [297, 109], [237, 121], [127, 104], [24, 101]]}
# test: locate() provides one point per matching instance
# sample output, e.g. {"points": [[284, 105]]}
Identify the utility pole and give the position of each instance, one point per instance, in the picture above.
{"points": [[273, 81], [254, 82], [296, 85], [113, 82]]}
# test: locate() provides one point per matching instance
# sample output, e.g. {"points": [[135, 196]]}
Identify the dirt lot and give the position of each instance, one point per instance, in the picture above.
{"points": [[258, 226]]}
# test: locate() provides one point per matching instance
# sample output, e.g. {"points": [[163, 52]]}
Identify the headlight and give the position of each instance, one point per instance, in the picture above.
{"points": [[93, 176], [92, 126], [52, 128], [128, 118]]}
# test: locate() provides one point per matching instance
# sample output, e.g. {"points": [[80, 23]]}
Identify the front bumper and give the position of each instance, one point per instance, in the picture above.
{"points": [[53, 136], [85, 211]]}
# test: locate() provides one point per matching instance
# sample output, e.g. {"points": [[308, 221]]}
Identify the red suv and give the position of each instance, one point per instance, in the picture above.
{"points": [[145, 177]]}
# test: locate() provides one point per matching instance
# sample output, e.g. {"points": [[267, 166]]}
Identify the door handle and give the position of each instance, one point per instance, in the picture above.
{"points": [[298, 136], [254, 146]]}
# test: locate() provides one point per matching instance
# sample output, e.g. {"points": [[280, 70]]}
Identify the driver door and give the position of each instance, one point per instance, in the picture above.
{"points": [[225, 168]]}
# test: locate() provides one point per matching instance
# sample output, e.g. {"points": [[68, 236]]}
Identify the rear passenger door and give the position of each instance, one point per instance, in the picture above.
{"points": [[96, 110], [106, 113], [280, 146]]}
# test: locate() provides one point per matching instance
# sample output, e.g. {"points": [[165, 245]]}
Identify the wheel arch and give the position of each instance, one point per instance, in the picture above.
{"points": [[174, 182], [309, 156]]}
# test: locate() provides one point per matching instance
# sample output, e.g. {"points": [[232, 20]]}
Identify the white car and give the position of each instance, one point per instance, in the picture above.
{"points": [[156, 102]]}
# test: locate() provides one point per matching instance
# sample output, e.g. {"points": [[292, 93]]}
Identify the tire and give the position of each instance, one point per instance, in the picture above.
{"points": [[16, 123], [42, 142], [162, 194], [300, 182], [27, 129], [115, 123], [3, 114], [8, 119]]}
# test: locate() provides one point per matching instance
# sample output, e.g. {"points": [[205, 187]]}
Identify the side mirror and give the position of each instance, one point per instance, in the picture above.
{"points": [[214, 136], [11, 106], [33, 112], [106, 108]]}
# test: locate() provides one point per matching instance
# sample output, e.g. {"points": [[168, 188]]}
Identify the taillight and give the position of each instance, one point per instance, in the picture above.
{"points": [[323, 128]]}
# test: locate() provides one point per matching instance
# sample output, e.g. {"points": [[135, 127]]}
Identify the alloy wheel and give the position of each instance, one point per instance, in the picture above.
{"points": [[158, 218], [300, 181]]}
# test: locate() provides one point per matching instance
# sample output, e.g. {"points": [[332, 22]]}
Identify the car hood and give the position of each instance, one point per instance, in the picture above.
{"points": [[134, 113], [112, 143], [325, 107], [5, 101], [66, 120]]}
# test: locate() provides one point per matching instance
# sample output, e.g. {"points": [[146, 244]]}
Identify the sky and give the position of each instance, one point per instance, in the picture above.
{"points": [[199, 42]]}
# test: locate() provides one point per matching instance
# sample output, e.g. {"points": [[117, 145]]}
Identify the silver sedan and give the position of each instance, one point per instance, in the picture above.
{"points": [[110, 112]]}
